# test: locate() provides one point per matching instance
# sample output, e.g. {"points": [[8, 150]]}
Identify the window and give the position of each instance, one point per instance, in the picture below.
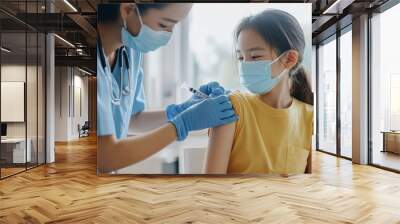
{"points": [[394, 102], [385, 89], [346, 94], [327, 97]]}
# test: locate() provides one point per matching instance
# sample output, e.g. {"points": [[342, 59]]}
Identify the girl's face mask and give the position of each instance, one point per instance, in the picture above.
{"points": [[256, 76], [147, 38]]}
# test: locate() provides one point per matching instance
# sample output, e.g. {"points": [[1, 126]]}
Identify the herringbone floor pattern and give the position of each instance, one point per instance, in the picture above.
{"points": [[70, 192]]}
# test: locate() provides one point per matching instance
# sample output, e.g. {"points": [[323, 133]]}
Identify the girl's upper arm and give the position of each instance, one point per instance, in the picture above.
{"points": [[219, 149]]}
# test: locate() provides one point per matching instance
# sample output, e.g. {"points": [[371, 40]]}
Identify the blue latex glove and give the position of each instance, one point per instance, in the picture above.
{"points": [[208, 113], [212, 89]]}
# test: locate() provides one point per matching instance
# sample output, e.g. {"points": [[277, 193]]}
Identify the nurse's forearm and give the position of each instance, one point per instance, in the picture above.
{"points": [[147, 121], [115, 154]]}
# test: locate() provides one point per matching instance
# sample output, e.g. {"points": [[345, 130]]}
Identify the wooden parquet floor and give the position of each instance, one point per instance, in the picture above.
{"points": [[69, 191]]}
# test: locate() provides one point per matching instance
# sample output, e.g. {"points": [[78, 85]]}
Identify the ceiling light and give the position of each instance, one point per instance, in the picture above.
{"points": [[5, 50], [329, 9], [84, 71], [70, 5], [338, 6], [65, 41]]}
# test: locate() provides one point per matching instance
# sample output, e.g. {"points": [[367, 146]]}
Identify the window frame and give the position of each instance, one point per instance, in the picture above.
{"points": [[334, 37]]}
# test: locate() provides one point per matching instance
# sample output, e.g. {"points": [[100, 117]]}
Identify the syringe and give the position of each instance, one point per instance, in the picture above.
{"points": [[196, 92]]}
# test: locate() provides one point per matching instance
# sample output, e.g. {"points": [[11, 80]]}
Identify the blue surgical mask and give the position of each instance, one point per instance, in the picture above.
{"points": [[256, 76], [147, 39]]}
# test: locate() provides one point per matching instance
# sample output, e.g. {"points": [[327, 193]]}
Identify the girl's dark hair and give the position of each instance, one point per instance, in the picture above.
{"points": [[110, 13], [282, 32]]}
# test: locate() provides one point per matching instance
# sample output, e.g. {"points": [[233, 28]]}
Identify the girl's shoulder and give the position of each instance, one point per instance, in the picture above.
{"points": [[304, 108], [240, 103], [240, 99]]}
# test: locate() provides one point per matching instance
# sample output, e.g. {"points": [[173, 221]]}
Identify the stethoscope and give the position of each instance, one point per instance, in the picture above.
{"points": [[122, 55]]}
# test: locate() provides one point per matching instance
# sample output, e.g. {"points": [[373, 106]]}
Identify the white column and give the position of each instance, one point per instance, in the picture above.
{"points": [[50, 109], [50, 93], [360, 90]]}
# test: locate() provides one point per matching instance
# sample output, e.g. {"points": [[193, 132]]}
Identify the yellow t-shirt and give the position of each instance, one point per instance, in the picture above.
{"points": [[270, 140]]}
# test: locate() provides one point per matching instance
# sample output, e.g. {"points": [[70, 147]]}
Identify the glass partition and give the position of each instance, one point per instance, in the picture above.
{"points": [[13, 105], [22, 77]]}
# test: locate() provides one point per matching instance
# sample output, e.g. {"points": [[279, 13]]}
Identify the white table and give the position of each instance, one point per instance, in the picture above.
{"points": [[17, 146]]}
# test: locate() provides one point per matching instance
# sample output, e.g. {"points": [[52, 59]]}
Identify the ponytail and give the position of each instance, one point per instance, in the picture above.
{"points": [[301, 88]]}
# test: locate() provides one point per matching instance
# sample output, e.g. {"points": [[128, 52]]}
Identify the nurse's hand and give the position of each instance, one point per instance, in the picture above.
{"points": [[208, 113], [212, 89]]}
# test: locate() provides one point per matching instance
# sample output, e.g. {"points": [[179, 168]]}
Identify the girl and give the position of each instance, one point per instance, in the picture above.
{"points": [[274, 130]]}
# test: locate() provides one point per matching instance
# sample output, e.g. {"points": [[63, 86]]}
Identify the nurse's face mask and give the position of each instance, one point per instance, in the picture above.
{"points": [[147, 38], [256, 76]]}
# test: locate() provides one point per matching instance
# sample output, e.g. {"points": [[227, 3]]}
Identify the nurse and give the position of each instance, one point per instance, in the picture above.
{"points": [[125, 32]]}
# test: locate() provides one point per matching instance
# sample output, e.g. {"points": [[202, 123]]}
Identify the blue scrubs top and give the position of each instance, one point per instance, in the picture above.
{"points": [[113, 119]]}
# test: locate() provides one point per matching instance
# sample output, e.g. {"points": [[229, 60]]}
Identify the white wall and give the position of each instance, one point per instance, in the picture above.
{"points": [[67, 115], [82, 83], [61, 103]]}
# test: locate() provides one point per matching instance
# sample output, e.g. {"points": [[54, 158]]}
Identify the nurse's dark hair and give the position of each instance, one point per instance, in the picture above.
{"points": [[110, 13], [282, 32]]}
